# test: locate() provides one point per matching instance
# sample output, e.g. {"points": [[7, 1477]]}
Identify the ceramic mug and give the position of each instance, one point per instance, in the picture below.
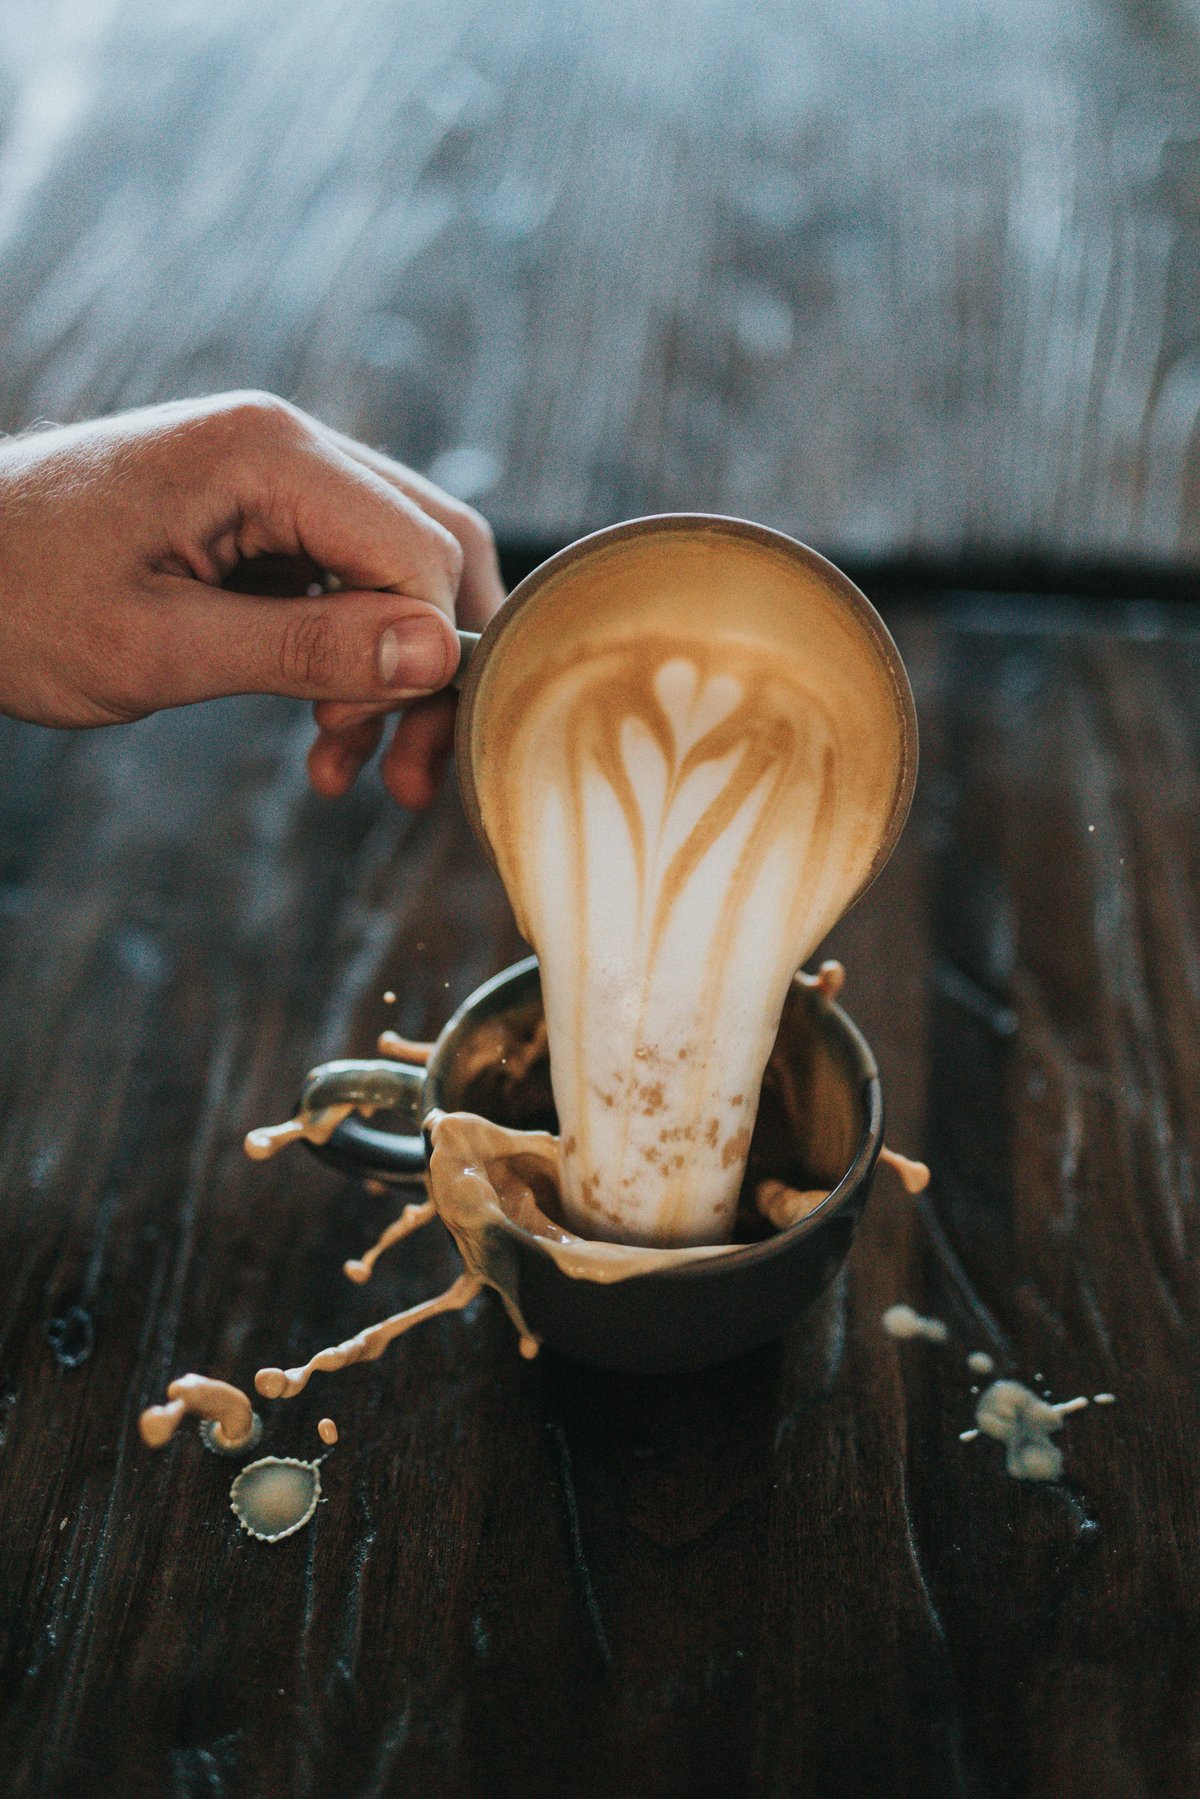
{"points": [[697, 1313]]}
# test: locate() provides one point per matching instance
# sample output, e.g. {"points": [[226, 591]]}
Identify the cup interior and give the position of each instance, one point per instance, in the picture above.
{"points": [[745, 579], [815, 1118]]}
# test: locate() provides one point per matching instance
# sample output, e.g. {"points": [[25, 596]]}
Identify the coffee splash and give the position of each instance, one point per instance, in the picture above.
{"points": [[267, 1140], [488, 1179], [484, 1173], [679, 813], [1016, 1417], [485, 1178], [228, 1422]]}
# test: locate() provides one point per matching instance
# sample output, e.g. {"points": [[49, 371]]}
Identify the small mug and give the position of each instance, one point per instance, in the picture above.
{"points": [[820, 1124]]}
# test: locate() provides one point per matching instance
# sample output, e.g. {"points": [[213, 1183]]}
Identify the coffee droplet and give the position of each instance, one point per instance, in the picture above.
{"points": [[311, 1127], [389, 998], [359, 1268], [829, 980], [902, 1322], [229, 1426], [784, 1206], [368, 1344], [275, 1497], [403, 1049], [914, 1176], [1021, 1421], [327, 1430]]}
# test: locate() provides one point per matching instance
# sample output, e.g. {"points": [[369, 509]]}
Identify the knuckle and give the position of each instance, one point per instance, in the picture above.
{"points": [[475, 534], [452, 556], [469, 527], [255, 414], [308, 650]]}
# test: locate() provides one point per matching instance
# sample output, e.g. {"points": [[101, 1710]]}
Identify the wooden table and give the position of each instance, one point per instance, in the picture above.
{"points": [[785, 1577], [914, 282]]}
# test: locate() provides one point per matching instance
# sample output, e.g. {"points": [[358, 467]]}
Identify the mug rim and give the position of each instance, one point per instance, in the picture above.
{"points": [[719, 524], [704, 1267]]}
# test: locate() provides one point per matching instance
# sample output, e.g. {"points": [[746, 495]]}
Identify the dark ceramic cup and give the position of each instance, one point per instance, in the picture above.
{"points": [[820, 1125]]}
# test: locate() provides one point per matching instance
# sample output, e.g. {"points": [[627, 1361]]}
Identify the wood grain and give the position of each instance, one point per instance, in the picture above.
{"points": [[787, 1576], [916, 283]]}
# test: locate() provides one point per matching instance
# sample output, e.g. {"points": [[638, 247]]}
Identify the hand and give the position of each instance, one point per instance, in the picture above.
{"points": [[115, 538]]}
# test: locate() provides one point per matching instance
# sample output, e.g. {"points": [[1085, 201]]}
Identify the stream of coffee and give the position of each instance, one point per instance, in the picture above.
{"points": [[686, 766]]}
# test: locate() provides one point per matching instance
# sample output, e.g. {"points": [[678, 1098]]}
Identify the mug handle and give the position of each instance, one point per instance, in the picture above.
{"points": [[357, 1146]]}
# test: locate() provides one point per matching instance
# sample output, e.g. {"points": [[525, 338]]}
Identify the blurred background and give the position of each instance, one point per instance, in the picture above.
{"points": [[916, 282]]}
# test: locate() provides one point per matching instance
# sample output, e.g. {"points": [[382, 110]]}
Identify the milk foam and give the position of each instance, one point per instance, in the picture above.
{"points": [[679, 816]]}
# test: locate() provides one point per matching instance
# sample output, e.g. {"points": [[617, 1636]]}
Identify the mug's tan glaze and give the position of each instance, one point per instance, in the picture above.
{"points": [[820, 1124]]}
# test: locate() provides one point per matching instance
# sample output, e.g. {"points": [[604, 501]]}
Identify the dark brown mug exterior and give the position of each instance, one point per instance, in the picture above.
{"points": [[696, 1315]]}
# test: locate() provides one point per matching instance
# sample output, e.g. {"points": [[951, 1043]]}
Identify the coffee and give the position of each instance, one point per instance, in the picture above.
{"points": [[688, 750]]}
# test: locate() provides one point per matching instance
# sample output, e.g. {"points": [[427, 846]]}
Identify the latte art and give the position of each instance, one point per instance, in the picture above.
{"points": [[679, 815]]}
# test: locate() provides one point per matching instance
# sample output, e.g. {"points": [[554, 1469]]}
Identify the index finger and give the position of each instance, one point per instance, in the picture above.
{"points": [[300, 493], [481, 587]]}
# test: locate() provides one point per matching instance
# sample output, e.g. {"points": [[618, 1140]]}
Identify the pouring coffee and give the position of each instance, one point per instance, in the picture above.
{"points": [[688, 745]]}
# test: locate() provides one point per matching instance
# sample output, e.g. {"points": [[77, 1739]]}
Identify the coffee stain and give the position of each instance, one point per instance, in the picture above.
{"points": [[229, 1423], [275, 1497]]}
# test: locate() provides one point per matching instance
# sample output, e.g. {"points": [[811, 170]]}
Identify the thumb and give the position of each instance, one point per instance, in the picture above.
{"points": [[352, 646]]}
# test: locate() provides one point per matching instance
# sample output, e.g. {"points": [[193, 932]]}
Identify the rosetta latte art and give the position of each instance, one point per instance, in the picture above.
{"points": [[687, 838]]}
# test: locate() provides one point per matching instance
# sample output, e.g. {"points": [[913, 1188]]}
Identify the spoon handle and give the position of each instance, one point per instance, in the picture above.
{"points": [[467, 641]]}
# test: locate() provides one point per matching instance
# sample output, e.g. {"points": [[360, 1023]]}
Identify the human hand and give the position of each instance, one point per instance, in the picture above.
{"points": [[115, 537]]}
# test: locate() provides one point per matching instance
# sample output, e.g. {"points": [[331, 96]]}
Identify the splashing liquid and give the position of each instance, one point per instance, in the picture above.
{"points": [[1014, 1416], [903, 1323], [486, 1178], [233, 1427]]}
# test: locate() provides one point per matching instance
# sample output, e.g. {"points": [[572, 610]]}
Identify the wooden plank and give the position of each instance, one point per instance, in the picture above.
{"points": [[788, 1575], [915, 284]]}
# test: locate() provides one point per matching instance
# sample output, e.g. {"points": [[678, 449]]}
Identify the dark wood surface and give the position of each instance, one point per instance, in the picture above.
{"points": [[917, 283], [911, 281], [786, 1577]]}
